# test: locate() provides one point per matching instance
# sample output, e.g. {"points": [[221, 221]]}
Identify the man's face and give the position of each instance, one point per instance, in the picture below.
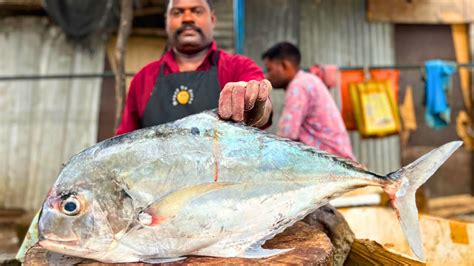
{"points": [[276, 73], [190, 25]]}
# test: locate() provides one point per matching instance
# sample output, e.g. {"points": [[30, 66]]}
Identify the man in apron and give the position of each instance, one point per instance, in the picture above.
{"points": [[194, 75]]}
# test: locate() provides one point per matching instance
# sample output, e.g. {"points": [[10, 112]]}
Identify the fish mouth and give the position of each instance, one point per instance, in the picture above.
{"points": [[70, 247]]}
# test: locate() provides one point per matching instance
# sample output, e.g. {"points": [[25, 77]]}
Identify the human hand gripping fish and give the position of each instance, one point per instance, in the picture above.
{"points": [[203, 186]]}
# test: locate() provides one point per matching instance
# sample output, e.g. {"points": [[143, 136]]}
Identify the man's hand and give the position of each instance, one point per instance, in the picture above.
{"points": [[246, 102]]}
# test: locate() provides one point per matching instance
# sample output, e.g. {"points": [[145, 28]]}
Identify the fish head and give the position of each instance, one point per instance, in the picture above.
{"points": [[85, 213]]}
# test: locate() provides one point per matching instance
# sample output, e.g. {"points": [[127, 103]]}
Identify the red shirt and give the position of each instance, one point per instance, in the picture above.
{"points": [[231, 68]]}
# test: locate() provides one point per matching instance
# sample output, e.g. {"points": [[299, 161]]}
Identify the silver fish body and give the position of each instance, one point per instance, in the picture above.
{"points": [[201, 186]]}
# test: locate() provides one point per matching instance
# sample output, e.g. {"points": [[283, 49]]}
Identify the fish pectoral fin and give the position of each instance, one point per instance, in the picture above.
{"points": [[30, 240], [259, 252], [161, 260], [171, 204]]}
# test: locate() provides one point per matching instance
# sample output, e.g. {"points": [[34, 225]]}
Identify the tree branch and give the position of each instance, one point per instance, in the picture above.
{"points": [[125, 27]]}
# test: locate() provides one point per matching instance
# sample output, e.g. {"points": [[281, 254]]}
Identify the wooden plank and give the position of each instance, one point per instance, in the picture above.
{"points": [[156, 32], [451, 206], [10, 216], [310, 247], [20, 2], [153, 2], [471, 111], [148, 11], [367, 252], [445, 242], [140, 51], [460, 35], [421, 11], [21, 5]]}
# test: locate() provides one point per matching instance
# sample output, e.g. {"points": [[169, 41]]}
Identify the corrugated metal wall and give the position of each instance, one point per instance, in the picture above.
{"points": [[42, 123], [268, 22], [224, 31], [337, 31], [327, 31]]}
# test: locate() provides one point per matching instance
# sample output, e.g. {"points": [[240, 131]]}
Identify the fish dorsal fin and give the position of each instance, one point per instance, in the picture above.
{"points": [[335, 158], [342, 160]]}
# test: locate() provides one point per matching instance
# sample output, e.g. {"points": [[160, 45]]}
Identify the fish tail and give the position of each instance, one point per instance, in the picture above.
{"points": [[404, 184]]}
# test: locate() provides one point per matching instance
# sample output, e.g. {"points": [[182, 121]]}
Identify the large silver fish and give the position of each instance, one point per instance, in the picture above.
{"points": [[201, 186]]}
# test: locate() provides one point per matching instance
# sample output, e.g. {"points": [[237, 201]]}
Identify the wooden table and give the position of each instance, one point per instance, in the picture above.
{"points": [[310, 246]]}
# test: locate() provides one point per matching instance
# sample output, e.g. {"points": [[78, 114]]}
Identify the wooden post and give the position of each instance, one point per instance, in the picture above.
{"points": [[460, 35], [421, 11], [126, 17], [471, 111]]}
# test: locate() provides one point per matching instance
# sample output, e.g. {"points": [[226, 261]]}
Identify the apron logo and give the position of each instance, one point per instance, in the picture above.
{"points": [[183, 96]]}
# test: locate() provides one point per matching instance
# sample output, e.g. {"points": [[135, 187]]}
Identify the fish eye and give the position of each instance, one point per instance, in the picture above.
{"points": [[70, 206]]}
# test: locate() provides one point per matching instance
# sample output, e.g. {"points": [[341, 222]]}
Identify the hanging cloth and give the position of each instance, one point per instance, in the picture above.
{"points": [[393, 75], [348, 77], [84, 22], [327, 73], [375, 109], [438, 80], [347, 112]]}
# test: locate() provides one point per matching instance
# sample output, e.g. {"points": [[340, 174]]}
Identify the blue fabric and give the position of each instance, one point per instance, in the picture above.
{"points": [[438, 79]]}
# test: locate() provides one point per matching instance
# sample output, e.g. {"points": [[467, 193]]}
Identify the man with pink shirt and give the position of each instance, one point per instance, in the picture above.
{"points": [[310, 114]]}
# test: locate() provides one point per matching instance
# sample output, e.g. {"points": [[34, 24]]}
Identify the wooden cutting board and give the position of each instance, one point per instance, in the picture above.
{"points": [[310, 246]]}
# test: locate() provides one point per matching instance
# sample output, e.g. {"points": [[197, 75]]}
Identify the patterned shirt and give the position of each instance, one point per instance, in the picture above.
{"points": [[311, 116]]}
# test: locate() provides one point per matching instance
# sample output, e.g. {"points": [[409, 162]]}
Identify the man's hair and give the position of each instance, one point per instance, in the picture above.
{"points": [[283, 51], [209, 2]]}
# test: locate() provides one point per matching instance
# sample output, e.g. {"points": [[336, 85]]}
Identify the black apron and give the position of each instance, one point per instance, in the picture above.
{"points": [[180, 94]]}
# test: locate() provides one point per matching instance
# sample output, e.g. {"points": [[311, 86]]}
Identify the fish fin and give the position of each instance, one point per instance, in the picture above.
{"points": [[171, 204], [162, 260], [30, 239], [259, 252], [404, 184]]}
